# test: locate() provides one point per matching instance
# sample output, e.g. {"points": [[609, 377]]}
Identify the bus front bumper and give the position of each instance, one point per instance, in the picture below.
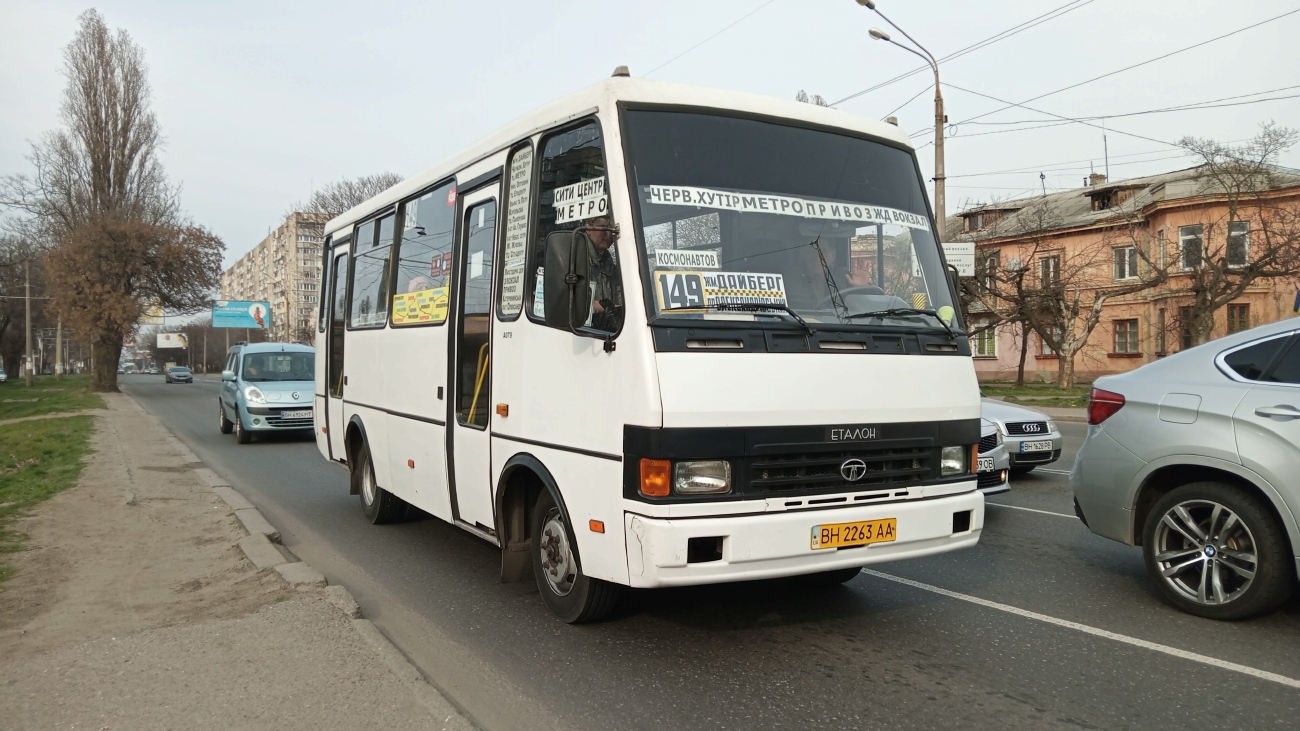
{"points": [[771, 545]]}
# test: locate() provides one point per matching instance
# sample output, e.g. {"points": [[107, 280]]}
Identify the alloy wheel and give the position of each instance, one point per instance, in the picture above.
{"points": [[1205, 552]]}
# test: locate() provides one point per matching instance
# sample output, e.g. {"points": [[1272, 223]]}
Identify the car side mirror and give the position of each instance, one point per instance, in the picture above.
{"points": [[227, 375], [567, 285]]}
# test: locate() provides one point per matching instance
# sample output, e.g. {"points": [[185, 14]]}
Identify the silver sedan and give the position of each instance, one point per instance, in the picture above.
{"points": [[994, 467], [1194, 458], [1031, 437]]}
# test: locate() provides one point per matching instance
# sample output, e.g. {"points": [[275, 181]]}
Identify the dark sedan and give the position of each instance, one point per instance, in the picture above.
{"points": [[179, 374]]}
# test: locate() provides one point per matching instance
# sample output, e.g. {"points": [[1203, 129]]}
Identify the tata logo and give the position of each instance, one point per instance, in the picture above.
{"points": [[851, 433], [853, 469], [1032, 428]]}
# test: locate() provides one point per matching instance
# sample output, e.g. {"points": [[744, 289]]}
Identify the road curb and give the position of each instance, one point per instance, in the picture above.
{"points": [[258, 547]]}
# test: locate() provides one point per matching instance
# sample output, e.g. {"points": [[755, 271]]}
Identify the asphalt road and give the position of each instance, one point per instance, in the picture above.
{"points": [[1042, 625]]}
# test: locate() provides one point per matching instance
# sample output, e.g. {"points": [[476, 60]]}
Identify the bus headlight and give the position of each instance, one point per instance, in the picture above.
{"points": [[254, 395], [952, 461], [702, 477]]}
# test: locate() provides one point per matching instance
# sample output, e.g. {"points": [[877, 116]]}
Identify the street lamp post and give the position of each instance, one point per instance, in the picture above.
{"points": [[940, 119]]}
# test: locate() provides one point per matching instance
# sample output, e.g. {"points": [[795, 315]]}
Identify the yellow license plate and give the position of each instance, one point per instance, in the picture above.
{"points": [[857, 533]]}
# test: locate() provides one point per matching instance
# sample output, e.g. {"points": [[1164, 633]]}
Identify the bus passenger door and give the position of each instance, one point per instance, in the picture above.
{"points": [[338, 295], [470, 376]]}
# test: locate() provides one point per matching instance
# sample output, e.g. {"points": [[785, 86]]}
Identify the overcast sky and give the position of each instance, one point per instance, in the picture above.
{"points": [[261, 101]]}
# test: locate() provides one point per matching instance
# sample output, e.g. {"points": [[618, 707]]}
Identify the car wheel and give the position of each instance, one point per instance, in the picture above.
{"points": [[1217, 552], [242, 435], [226, 425], [1022, 469], [379, 505], [570, 595]]}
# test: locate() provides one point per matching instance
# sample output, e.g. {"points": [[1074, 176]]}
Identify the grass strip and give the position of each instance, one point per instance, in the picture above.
{"points": [[1046, 390], [37, 460], [48, 395]]}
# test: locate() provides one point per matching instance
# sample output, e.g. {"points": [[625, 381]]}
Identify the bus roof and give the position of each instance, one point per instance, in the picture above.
{"points": [[605, 94]]}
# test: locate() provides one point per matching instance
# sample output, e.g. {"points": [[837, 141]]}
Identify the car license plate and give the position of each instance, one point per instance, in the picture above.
{"points": [[1036, 446], [305, 414], [857, 533], [985, 464]]}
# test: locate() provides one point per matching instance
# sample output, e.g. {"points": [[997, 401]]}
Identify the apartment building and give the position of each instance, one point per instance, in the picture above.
{"points": [[1146, 244], [285, 270]]}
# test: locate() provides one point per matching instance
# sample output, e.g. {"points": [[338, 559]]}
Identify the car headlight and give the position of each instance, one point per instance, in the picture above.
{"points": [[1002, 428], [999, 433], [702, 477], [952, 461], [1051, 425], [254, 395]]}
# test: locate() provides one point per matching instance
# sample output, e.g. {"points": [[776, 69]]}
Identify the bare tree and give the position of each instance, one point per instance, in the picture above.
{"points": [[339, 196], [817, 99], [1257, 239], [101, 206]]}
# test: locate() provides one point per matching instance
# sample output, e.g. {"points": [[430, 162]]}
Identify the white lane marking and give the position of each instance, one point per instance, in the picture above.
{"points": [[1055, 472], [1032, 510], [1096, 632]]}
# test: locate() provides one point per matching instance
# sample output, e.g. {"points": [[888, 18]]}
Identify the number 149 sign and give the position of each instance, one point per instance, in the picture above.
{"points": [[679, 290]]}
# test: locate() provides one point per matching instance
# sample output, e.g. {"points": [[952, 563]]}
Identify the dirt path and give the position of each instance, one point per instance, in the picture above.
{"points": [[59, 415]]}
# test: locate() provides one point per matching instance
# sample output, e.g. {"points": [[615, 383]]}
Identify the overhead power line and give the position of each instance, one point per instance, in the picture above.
{"points": [[1049, 167], [1002, 36], [715, 35], [1131, 67], [1191, 106]]}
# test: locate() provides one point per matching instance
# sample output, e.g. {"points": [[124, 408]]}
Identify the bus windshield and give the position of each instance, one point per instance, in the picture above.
{"points": [[758, 221]]}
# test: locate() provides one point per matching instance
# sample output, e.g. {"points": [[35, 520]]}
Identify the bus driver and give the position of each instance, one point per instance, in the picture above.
{"points": [[606, 287]]}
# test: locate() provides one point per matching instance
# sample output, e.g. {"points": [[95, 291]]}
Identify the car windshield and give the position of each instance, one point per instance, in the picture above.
{"points": [[737, 214], [279, 367]]}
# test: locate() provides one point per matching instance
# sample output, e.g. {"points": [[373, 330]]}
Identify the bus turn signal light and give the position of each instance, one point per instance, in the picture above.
{"points": [[596, 526], [656, 477]]}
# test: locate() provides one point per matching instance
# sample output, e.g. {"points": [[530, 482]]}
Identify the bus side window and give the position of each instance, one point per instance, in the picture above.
{"points": [[370, 268], [420, 294], [572, 195]]}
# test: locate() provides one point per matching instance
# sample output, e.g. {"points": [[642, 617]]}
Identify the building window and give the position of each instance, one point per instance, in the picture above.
{"points": [[1191, 246], [1160, 331], [1185, 325], [1049, 270], [985, 342], [988, 276], [1126, 262], [1160, 248], [1238, 318], [1238, 244], [1126, 336], [1044, 348]]}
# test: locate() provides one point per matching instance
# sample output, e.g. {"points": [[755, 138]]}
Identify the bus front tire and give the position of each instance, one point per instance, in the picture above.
{"points": [[379, 505], [570, 595]]}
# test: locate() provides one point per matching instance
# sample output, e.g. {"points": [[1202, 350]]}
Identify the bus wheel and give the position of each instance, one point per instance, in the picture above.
{"points": [[571, 596], [379, 505]]}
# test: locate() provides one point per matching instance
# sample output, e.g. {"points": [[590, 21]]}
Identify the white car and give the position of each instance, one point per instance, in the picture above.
{"points": [[1031, 437], [994, 466]]}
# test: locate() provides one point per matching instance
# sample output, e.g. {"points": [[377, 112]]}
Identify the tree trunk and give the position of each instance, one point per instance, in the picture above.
{"points": [[1203, 326], [1024, 350], [1065, 371], [108, 350]]}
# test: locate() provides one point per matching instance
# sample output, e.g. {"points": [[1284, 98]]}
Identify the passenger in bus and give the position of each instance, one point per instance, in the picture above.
{"points": [[607, 288]]}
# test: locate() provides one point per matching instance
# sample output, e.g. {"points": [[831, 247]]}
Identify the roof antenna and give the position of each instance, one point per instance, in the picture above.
{"points": [[621, 71]]}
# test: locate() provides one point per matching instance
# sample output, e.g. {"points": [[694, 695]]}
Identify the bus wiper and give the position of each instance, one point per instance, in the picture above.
{"points": [[895, 311], [748, 307]]}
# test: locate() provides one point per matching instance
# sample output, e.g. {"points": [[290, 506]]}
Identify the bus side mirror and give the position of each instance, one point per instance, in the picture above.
{"points": [[954, 286], [567, 288]]}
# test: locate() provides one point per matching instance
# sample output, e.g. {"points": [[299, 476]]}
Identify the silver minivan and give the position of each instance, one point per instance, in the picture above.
{"points": [[1194, 458]]}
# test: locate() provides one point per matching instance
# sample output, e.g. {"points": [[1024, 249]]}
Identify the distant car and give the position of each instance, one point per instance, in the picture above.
{"points": [[1031, 437], [1194, 458], [3, 376], [993, 468], [267, 387], [179, 374]]}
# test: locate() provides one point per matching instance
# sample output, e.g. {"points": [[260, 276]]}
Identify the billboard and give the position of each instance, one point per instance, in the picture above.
{"points": [[241, 313], [173, 340]]}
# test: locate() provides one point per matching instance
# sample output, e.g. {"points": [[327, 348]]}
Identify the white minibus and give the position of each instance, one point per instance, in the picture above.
{"points": [[655, 335]]}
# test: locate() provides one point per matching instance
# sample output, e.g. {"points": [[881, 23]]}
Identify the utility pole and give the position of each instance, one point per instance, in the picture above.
{"points": [[27, 286]]}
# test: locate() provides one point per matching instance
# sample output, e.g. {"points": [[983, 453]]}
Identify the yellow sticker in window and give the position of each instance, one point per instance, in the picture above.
{"points": [[426, 305]]}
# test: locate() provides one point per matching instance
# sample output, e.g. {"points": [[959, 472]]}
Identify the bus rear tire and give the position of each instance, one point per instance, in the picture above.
{"points": [[570, 595], [379, 505]]}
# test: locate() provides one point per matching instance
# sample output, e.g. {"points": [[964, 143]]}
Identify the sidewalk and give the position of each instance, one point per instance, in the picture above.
{"points": [[134, 607]]}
